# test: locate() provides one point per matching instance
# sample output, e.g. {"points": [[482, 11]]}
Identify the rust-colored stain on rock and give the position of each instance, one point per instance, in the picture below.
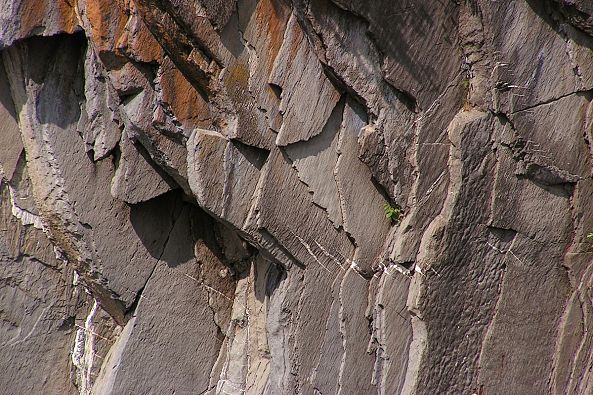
{"points": [[32, 16], [270, 19], [185, 102], [107, 23], [138, 41], [38, 17], [67, 15]]}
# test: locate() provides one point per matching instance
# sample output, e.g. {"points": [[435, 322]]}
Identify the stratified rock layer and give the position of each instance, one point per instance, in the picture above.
{"points": [[192, 197]]}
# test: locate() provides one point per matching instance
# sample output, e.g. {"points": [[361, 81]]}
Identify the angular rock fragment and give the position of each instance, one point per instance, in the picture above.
{"points": [[304, 108], [136, 179], [223, 175]]}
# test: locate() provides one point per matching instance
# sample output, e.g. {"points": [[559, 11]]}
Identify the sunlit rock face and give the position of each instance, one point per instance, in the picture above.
{"points": [[296, 197]]}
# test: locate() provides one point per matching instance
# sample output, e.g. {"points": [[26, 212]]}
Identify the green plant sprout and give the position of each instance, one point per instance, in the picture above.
{"points": [[590, 236], [392, 213]]}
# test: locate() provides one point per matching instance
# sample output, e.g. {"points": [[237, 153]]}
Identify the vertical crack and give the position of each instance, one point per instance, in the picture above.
{"points": [[131, 311], [340, 133], [342, 329]]}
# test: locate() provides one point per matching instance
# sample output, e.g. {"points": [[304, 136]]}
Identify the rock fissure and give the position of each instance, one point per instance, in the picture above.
{"points": [[552, 100]]}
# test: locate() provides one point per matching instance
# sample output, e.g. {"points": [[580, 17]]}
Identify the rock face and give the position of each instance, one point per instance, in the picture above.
{"points": [[192, 197]]}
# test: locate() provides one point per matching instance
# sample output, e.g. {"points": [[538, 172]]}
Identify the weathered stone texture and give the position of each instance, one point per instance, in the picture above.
{"points": [[192, 197]]}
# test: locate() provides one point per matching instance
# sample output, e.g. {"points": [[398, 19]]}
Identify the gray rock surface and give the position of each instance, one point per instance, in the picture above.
{"points": [[193, 196]]}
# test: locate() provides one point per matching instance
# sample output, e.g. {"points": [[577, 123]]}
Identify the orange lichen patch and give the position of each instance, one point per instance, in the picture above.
{"points": [[32, 16], [67, 15], [190, 61], [107, 23], [143, 45], [185, 102], [298, 41], [137, 41], [269, 19], [38, 16]]}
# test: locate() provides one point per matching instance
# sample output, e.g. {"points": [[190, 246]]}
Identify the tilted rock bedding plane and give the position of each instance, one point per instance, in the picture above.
{"points": [[296, 197]]}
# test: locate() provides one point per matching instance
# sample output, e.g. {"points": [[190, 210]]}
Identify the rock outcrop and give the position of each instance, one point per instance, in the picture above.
{"points": [[193, 196]]}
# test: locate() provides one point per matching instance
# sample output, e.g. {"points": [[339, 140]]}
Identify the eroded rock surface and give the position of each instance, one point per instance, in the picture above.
{"points": [[192, 197]]}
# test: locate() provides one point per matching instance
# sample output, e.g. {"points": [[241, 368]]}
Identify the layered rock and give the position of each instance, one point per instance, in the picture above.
{"points": [[192, 196]]}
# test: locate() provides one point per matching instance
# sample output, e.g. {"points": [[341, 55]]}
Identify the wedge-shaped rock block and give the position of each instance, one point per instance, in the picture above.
{"points": [[223, 175], [137, 179], [305, 107]]}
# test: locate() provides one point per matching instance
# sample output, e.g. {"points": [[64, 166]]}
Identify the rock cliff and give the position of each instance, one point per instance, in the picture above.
{"points": [[193, 197]]}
